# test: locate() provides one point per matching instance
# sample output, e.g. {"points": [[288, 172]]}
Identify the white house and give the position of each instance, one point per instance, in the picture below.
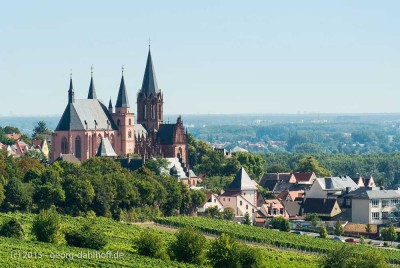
{"points": [[331, 187], [211, 201], [241, 195], [374, 206]]}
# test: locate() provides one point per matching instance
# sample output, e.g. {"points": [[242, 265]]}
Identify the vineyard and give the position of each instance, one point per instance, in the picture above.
{"points": [[30, 253], [120, 236], [266, 236]]}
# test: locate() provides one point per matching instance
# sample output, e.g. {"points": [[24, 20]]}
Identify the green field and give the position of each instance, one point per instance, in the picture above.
{"points": [[30, 253]]}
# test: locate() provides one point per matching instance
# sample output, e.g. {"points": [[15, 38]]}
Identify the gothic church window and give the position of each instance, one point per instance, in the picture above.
{"points": [[130, 122], [144, 111], [129, 134], [64, 145], [153, 111], [78, 147]]}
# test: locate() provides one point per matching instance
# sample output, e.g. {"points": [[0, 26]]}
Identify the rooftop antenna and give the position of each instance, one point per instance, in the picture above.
{"points": [[123, 68]]}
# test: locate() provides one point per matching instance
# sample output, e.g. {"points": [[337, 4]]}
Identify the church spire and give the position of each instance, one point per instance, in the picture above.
{"points": [[122, 100], [149, 85], [92, 90], [110, 104], [71, 93]]}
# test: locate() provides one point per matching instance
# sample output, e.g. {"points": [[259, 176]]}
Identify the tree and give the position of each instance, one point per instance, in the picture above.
{"points": [[362, 240], [46, 225], [86, 237], [310, 164], [47, 195], [198, 197], [223, 252], [314, 218], [16, 194], [190, 246], [157, 165], [79, 194], [40, 129], [323, 233], [151, 244], [349, 257], [389, 234], [250, 257], [12, 228], [2, 195], [213, 212], [186, 199], [368, 228], [246, 219], [280, 223], [228, 214], [338, 228]]}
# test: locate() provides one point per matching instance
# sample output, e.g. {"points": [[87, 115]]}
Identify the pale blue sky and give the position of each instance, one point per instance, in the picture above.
{"points": [[209, 56]]}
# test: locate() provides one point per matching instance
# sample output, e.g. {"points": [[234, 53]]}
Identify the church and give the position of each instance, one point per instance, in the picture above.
{"points": [[88, 125]]}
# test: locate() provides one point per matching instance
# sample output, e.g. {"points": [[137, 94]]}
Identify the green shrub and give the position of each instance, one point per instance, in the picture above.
{"points": [[86, 237], [152, 245], [189, 246], [12, 228], [46, 226], [280, 223], [348, 257]]}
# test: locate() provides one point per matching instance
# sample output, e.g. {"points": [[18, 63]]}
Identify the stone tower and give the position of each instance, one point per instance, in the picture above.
{"points": [[150, 99], [125, 120]]}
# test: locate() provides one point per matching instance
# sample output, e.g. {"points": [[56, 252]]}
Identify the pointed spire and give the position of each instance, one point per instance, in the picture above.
{"points": [[149, 85], [122, 100], [71, 93], [110, 104], [92, 90]]}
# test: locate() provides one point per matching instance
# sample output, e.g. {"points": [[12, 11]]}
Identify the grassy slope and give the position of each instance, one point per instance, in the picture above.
{"points": [[120, 238]]}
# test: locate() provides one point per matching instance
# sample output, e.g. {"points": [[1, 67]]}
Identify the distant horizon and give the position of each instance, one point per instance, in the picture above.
{"points": [[227, 114]]}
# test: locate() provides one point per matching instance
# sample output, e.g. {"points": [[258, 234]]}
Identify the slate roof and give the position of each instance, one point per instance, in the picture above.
{"points": [[166, 133], [270, 180], [122, 100], [105, 149], [318, 205], [86, 110], [242, 182], [366, 193], [69, 158], [92, 90], [337, 183], [303, 176], [131, 164], [139, 130], [149, 85], [292, 208]]}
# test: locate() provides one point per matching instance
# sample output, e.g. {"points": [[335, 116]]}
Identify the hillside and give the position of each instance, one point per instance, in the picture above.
{"points": [[121, 237]]}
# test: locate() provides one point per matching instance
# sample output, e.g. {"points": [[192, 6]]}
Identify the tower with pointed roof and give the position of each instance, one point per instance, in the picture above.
{"points": [[125, 120], [150, 99], [92, 90]]}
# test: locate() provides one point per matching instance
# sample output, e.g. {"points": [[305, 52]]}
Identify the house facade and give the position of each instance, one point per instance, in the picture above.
{"points": [[374, 206], [241, 195]]}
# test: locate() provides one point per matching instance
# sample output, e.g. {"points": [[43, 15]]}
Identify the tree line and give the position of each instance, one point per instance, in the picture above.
{"points": [[98, 185]]}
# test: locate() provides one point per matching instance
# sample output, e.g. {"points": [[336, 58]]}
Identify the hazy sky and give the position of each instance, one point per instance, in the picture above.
{"points": [[209, 56]]}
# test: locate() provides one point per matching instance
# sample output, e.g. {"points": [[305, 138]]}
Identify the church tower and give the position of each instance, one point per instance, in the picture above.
{"points": [[122, 116], [150, 99]]}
